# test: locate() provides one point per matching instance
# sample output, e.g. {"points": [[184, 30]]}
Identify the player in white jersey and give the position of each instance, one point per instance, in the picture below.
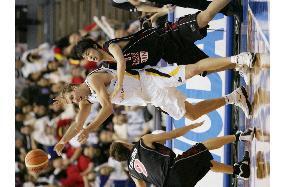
{"points": [[148, 86]]}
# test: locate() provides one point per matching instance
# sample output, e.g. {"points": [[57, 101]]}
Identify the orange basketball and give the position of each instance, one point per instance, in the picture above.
{"points": [[36, 160]]}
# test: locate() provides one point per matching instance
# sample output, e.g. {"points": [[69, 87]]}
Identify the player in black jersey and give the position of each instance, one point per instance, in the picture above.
{"points": [[174, 43], [149, 161]]}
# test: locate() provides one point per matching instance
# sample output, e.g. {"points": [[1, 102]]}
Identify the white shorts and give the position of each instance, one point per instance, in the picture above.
{"points": [[159, 85], [156, 86], [132, 94]]}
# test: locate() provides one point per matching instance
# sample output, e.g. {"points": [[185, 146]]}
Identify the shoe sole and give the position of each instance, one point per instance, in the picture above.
{"points": [[247, 101], [248, 138]]}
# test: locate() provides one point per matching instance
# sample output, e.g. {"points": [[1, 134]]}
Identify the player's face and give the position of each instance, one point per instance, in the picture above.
{"points": [[92, 55], [75, 96]]}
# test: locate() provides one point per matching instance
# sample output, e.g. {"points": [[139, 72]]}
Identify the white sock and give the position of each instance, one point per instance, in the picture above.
{"points": [[234, 59], [229, 99]]}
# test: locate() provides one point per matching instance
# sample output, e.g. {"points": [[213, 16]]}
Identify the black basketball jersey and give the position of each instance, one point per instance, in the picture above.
{"points": [[150, 165], [143, 48], [174, 43]]}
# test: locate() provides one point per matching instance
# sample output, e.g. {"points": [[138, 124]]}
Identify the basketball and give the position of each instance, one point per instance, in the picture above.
{"points": [[36, 160]]}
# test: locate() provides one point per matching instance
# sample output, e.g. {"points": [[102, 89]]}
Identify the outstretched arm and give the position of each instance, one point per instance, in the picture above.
{"points": [[134, 2], [75, 127], [142, 7], [165, 10], [97, 83], [150, 138], [116, 51]]}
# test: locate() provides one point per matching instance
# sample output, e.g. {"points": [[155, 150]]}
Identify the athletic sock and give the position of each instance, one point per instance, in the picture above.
{"points": [[229, 99], [234, 59]]}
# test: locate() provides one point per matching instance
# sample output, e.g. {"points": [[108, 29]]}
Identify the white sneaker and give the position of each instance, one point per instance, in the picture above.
{"points": [[247, 135], [246, 58], [244, 72], [241, 100]]}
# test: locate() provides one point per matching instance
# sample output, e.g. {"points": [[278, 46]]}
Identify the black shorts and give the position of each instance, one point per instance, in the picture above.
{"points": [[179, 38], [190, 167]]}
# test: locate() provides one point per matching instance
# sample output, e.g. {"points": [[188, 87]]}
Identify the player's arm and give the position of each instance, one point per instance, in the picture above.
{"points": [[97, 84], [148, 8], [150, 138], [138, 182], [116, 51], [165, 10], [84, 111], [134, 2], [142, 7], [75, 127]]}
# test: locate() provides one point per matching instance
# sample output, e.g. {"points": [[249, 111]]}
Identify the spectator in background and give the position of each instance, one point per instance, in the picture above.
{"points": [[36, 60], [71, 175], [117, 175], [64, 45], [96, 154], [77, 76], [20, 81], [131, 125]]}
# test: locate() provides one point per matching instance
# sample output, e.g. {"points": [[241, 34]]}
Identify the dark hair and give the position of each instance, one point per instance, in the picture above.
{"points": [[32, 57], [83, 45], [119, 152], [63, 42]]}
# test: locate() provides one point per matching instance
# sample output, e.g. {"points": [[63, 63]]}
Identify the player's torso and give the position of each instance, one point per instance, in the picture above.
{"points": [[142, 48], [150, 165]]}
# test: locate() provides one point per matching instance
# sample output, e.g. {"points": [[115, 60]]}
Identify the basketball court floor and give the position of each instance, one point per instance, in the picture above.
{"points": [[255, 38]]}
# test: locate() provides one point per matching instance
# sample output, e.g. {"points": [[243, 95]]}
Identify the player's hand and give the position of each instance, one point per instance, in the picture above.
{"points": [[198, 124], [59, 147], [83, 136], [116, 90], [168, 8]]}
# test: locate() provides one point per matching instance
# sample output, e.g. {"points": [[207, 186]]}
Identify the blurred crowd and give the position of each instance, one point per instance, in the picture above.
{"points": [[41, 120]]}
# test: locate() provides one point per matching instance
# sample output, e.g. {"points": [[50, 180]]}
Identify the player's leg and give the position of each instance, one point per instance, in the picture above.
{"points": [[238, 97], [195, 111], [216, 143], [208, 64], [221, 63], [222, 168], [228, 10], [241, 169], [208, 14]]}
